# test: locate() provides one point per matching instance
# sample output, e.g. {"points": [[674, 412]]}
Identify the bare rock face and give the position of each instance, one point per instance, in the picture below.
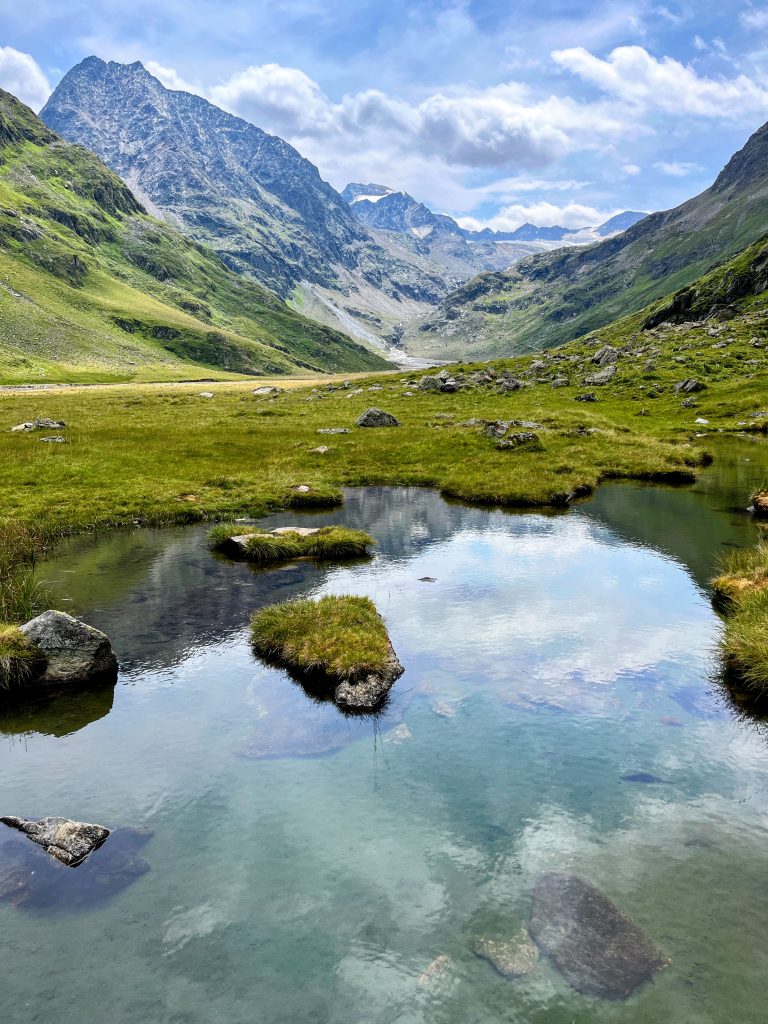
{"points": [[367, 692], [598, 949], [74, 651], [377, 418], [67, 841]]}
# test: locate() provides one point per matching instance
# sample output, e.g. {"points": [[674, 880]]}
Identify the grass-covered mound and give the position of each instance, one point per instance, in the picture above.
{"points": [[328, 543], [20, 660], [741, 591], [337, 637]]}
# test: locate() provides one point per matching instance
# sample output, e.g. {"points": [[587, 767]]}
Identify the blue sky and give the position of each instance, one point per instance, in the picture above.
{"points": [[560, 112]]}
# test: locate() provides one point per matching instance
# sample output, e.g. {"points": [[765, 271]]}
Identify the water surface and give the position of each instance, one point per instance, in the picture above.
{"points": [[307, 868]]}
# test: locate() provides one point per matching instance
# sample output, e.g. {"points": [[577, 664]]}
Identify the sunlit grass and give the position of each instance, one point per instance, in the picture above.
{"points": [[343, 637]]}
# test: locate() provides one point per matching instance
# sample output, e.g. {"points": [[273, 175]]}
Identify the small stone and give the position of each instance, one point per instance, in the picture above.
{"points": [[320, 450], [333, 430], [56, 439], [377, 418], [560, 382], [205, 394], [586, 396], [521, 439], [436, 971], [701, 421], [301, 488], [689, 386], [267, 391]]}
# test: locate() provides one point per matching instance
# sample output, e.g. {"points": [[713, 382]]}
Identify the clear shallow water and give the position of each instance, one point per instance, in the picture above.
{"points": [[306, 867]]}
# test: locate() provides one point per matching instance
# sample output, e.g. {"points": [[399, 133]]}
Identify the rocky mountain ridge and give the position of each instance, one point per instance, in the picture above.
{"points": [[249, 195]]}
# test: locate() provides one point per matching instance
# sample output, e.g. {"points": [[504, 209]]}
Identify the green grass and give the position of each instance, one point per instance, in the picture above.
{"points": [[331, 543], [741, 592], [340, 637], [19, 659]]}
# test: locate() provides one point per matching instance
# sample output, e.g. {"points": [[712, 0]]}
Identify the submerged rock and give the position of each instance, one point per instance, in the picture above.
{"points": [[377, 418], [437, 970], [66, 840], [74, 652], [598, 949], [512, 959], [29, 878]]}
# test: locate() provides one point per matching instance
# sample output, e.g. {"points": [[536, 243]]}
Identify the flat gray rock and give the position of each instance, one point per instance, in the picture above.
{"points": [[598, 949], [74, 652], [604, 376], [512, 958], [66, 840]]}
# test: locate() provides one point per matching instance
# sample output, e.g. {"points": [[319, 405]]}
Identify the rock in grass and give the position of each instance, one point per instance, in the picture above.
{"points": [[338, 645], [689, 386], [525, 440], [511, 958], [266, 391], [604, 376], [39, 424], [598, 949], [66, 840], [586, 396], [73, 651], [377, 418]]}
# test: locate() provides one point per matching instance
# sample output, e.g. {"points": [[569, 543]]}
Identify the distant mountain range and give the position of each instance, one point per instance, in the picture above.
{"points": [[91, 288], [381, 207], [553, 297]]}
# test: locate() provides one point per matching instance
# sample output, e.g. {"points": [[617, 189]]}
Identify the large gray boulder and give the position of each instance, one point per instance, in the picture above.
{"points": [[66, 840], [377, 418], [598, 949], [74, 652]]}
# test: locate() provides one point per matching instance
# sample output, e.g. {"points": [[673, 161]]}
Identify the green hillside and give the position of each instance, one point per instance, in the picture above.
{"points": [[552, 298], [91, 288]]}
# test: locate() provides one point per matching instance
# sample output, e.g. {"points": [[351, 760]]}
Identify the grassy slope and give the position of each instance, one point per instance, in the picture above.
{"points": [[93, 289], [552, 298]]}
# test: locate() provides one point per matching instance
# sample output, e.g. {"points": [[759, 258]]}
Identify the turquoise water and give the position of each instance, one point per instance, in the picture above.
{"points": [[306, 867]]}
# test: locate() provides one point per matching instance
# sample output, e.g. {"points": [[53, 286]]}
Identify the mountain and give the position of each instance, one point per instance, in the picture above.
{"points": [[91, 287], [551, 298], [621, 222], [249, 195]]}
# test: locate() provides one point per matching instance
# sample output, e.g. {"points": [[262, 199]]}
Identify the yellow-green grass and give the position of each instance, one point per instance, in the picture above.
{"points": [[741, 591], [19, 659], [331, 543], [339, 637]]}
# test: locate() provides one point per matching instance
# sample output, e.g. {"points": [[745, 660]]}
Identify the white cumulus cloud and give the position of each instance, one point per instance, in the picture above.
{"points": [[21, 75], [633, 75]]}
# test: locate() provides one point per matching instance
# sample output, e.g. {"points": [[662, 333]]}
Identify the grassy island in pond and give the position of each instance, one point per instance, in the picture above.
{"points": [[741, 592], [327, 543], [339, 643]]}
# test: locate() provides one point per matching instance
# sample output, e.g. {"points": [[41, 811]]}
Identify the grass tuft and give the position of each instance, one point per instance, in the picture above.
{"points": [[741, 591], [20, 660], [342, 637], [329, 543]]}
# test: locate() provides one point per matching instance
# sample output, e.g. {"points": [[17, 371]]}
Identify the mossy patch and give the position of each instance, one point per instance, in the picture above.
{"points": [[339, 637]]}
